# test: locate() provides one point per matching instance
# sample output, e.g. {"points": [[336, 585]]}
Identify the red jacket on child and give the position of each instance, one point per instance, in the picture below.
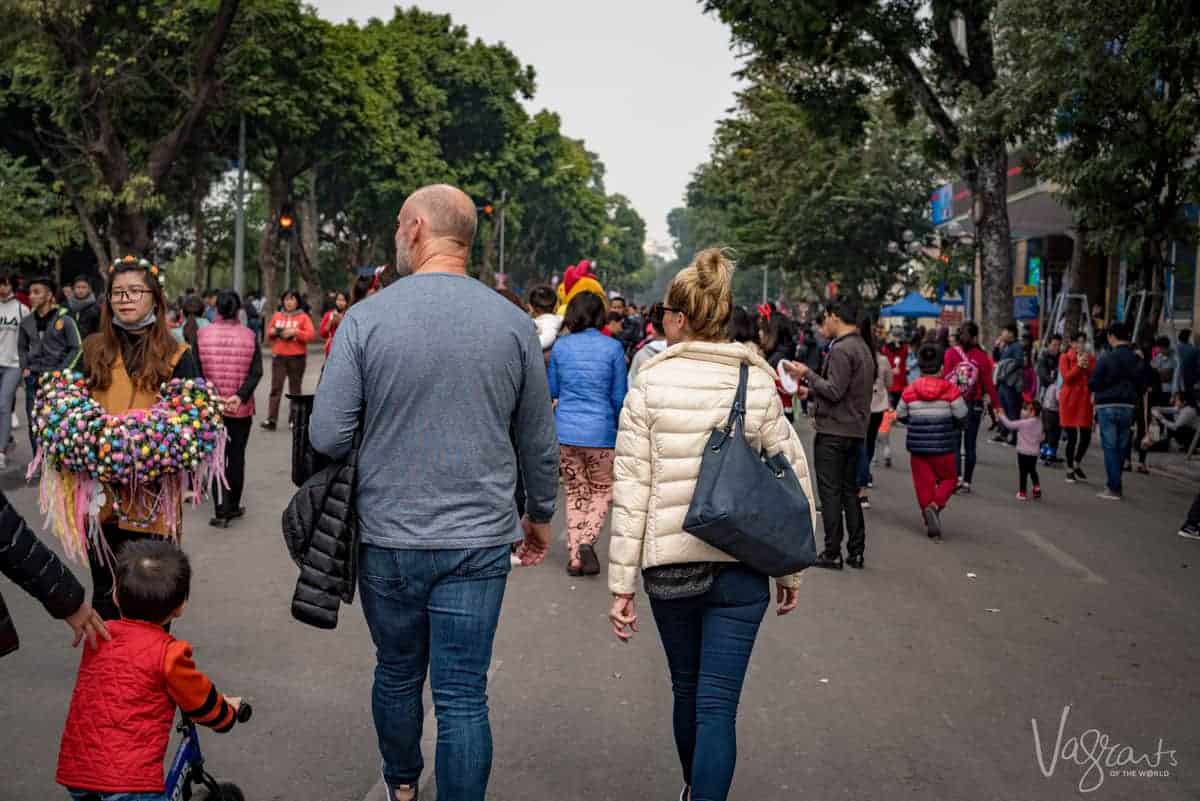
{"points": [[124, 705]]}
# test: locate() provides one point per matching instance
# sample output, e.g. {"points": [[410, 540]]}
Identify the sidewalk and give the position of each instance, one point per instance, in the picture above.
{"points": [[1175, 465]]}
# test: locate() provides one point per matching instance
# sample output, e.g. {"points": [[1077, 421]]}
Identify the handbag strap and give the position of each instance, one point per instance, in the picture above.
{"points": [[737, 412]]}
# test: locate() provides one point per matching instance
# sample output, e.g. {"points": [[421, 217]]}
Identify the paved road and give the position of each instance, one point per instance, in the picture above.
{"points": [[916, 678]]}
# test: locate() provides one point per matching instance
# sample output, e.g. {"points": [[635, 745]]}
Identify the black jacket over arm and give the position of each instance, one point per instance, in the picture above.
{"points": [[35, 569]]}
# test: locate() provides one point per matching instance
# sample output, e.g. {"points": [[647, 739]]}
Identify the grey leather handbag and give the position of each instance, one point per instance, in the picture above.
{"points": [[748, 504]]}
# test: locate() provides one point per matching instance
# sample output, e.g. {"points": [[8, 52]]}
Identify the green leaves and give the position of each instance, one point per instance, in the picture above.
{"points": [[821, 209], [35, 222], [1105, 94]]}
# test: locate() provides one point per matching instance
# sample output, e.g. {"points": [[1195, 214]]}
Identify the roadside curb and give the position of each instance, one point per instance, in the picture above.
{"points": [[1183, 475]]}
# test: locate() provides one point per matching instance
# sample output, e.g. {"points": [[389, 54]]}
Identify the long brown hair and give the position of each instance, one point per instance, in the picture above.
{"points": [[147, 356]]}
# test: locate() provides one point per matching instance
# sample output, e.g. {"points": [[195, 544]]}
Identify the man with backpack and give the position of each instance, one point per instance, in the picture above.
{"points": [[969, 368], [1010, 379]]}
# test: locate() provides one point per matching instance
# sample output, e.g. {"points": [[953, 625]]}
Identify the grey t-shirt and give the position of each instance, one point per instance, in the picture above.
{"points": [[454, 385]]}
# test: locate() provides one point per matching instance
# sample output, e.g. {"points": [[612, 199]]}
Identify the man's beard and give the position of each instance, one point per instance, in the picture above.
{"points": [[403, 261]]}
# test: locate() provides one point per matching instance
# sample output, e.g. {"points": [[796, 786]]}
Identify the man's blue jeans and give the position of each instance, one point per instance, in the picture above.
{"points": [[1115, 425], [435, 611], [708, 640], [970, 441]]}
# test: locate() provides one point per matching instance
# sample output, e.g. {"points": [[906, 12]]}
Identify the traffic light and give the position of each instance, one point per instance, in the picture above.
{"points": [[287, 221]]}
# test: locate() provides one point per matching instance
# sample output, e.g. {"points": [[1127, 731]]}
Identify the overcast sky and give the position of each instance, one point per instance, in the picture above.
{"points": [[641, 81]]}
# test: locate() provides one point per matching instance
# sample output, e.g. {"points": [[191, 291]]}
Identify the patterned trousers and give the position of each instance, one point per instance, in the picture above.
{"points": [[587, 474]]}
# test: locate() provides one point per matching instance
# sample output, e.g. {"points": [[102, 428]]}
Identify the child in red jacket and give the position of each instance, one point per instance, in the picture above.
{"points": [[934, 411], [128, 688]]}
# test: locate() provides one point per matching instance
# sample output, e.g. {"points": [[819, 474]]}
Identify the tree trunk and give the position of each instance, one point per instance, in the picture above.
{"points": [[1152, 280], [1073, 311], [103, 259], [487, 271], [308, 221], [132, 232], [199, 192], [268, 245], [989, 185]]}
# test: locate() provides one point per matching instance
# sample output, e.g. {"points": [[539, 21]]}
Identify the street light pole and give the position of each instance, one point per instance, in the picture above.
{"points": [[239, 228], [503, 203]]}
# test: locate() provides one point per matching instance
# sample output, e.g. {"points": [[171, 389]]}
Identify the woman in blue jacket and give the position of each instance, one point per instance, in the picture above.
{"points": [[587, 375]]}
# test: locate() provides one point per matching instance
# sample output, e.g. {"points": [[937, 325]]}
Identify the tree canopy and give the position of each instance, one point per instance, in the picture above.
{"points": [[817, 209], [1106, 95], [124, 117]]}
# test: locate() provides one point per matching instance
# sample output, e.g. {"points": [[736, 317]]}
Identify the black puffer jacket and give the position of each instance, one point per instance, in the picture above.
{"points": [[320, 527], [35, 569]]}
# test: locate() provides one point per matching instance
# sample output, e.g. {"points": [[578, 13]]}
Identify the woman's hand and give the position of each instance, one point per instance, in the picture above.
{"points": [[232, 404], [87, 624], [787, 599], [623, 615]]}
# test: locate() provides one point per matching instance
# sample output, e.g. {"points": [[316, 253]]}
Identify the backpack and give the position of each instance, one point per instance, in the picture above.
{"points": [[1009, 373], [965, 376]]}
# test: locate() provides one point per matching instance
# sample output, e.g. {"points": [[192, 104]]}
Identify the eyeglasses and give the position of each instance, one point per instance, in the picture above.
{"points": [[132, 293]]}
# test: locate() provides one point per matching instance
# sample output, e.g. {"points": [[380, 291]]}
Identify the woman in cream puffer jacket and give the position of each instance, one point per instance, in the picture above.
{"points": [[707, 607], [679, 397]]}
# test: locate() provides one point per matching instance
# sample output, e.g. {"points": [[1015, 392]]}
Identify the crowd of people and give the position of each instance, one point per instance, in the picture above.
{"points": [[462, 445]]}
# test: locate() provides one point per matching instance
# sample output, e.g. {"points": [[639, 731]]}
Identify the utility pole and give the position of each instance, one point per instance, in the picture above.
{"points": [[766, 275], [239, 227], [287, 261], [503, 203]]}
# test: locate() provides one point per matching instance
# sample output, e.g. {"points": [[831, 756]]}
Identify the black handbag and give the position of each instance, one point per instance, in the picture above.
{"points": [[750, 505]]}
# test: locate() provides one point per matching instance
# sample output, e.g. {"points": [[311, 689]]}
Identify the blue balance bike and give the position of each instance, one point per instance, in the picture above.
{"points": [[187, 768]]}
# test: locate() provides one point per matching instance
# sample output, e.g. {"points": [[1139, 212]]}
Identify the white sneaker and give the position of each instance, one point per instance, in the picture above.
{"points": [[16, 422]]}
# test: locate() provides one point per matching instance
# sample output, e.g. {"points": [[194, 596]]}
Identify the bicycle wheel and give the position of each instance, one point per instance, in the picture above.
{"points": [[226, 791]]}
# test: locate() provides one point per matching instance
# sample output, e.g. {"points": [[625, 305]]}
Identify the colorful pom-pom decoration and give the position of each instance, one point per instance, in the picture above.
{"points": [[172, 450]]}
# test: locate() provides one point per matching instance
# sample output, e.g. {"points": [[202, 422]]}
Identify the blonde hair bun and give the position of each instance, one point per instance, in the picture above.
{"points": [[704, 292], [713, 269]]}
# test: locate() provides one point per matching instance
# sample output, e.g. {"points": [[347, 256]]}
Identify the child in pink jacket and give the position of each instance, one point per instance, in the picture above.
{"points": [[1029, 444]]}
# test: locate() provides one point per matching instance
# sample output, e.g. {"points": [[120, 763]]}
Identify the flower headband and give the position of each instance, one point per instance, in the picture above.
{"points": [[133, 263]]}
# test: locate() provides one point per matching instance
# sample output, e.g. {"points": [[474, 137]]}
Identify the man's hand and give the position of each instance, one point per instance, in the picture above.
{"points": [[797, 370], [86, 623], [803, 392], [533, 549], [786, 598], [623, 615], [235, 702]]}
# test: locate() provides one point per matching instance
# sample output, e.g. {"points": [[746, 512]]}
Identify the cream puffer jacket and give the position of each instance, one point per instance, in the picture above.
{"points": [[679, 397]]}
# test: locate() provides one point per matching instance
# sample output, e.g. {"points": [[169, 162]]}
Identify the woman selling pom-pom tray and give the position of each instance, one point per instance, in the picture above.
{"points": [[125, 363]]}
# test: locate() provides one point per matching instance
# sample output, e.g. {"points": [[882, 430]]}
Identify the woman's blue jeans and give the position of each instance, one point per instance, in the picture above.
{"points": [[708, 640], [434, 611]]}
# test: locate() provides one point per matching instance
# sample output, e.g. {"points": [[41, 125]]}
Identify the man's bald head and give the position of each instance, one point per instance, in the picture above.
{"points": [[448, 212]]}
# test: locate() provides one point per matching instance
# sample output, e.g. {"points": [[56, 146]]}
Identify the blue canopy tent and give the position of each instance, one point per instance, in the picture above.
{"points": [[912, 306]]}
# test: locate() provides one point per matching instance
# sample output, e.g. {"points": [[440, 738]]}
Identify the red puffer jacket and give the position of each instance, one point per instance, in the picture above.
{"points": [[124, 702]]}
